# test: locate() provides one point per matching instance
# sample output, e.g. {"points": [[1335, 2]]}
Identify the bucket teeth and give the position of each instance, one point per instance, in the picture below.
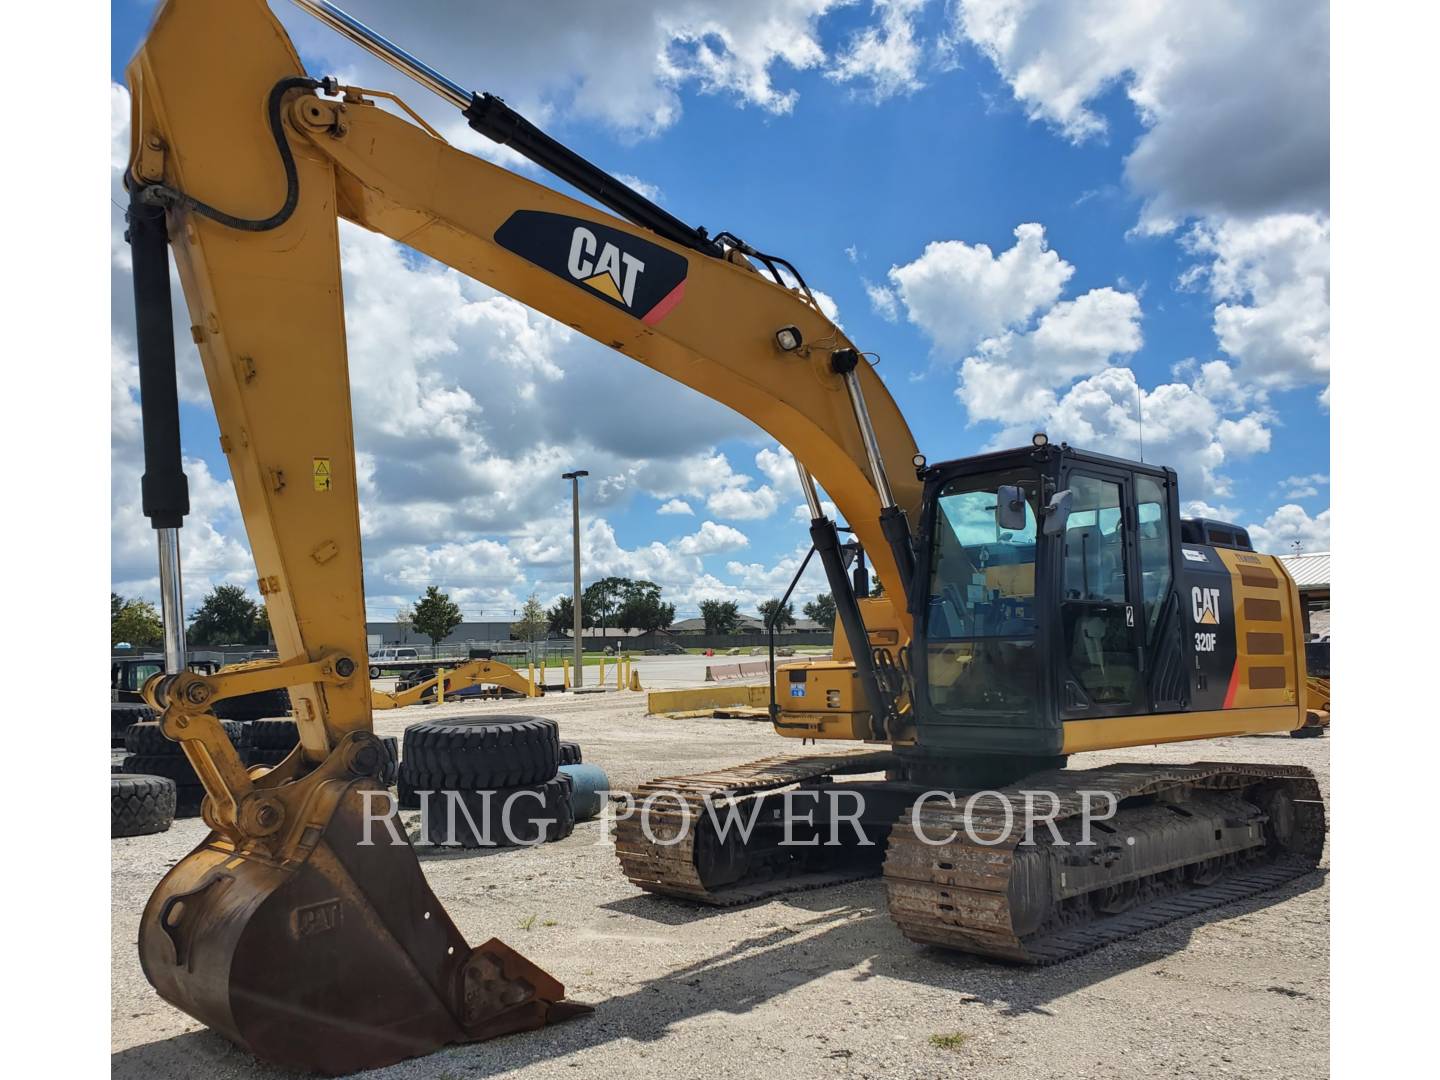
{"points": [[337, 958]]}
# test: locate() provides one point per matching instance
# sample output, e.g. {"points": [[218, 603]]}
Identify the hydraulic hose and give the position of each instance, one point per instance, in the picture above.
{"points": [[173, 199]]}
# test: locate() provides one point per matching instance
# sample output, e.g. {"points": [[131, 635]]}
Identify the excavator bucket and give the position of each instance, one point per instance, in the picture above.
{"points": [[336, 959]]}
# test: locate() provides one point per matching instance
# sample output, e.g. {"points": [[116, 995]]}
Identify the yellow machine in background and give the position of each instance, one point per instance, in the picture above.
{"points": [[468, 673]]}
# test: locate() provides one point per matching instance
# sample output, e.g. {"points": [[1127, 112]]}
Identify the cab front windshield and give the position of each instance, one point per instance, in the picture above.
{"points": [[980, 616]]}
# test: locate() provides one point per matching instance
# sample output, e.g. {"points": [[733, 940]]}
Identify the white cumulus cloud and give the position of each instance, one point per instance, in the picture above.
{"points": [[960, 294], [712, 538], [1271, 281], [885, 57], [1288, 525], [1303, 487], [1233, 96]]}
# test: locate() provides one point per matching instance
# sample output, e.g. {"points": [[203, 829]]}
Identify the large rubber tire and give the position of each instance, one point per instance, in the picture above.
{"points": [[530, 819], [175, 767], [149, 740], [270, 734], [140, 805], [259, 706], [570, 753], [1307, 732], [125, 714], [391, 772], [477, 753]]}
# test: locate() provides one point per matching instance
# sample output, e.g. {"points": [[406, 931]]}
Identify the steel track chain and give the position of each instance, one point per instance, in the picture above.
{"points": [[957, 895], [664, 862]]}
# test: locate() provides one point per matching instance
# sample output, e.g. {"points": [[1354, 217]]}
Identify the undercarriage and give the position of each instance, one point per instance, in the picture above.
{"points": [[1056, 864]]}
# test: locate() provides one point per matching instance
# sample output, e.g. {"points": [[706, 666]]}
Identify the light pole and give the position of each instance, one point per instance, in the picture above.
{"points": [[574, 477]]}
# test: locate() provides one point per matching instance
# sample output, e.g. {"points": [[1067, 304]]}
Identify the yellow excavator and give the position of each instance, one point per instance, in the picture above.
{"points": [[1038, 602], [463, 676]]}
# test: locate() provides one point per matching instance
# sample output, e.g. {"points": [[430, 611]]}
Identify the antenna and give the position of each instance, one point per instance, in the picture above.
{"points": [[1140, 416]]}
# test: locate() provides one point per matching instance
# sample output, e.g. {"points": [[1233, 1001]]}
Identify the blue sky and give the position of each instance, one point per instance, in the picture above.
{"points": [[878, 147]]}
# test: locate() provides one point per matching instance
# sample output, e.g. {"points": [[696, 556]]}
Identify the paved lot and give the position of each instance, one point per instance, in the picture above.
{"points": [[818, 984]]}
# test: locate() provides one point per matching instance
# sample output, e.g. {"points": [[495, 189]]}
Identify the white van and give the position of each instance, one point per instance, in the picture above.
{"points": [[390, 654]]}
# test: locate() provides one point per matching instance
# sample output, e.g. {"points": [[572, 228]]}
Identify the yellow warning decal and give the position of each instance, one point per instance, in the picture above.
{"points": [[322, 473]]}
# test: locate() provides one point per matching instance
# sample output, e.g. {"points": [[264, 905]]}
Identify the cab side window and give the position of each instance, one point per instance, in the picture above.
{"points": [[1094, 542], [1154, 543]]}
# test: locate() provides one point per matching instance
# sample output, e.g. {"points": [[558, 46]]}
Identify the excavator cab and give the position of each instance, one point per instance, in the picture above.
{"points": [[1048, 593], [1057, 595], [1045, 590]]}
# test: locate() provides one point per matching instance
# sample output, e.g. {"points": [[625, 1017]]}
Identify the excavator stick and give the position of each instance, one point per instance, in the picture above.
{"points": [[302, 927], [338, 958]]}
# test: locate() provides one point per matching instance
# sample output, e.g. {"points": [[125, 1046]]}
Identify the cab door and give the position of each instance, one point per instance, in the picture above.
{"points": [[1161, 626], [1101, 654]]}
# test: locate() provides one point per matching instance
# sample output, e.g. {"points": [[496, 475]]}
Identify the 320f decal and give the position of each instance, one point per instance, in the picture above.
{"points": [[625, 271]]}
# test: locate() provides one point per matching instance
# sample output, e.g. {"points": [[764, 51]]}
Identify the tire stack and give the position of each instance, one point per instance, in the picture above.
{"points": [[151, 754], [503, 769], [259, 706], [267, 741], [140, 805], [124, 715], [262, 705]]}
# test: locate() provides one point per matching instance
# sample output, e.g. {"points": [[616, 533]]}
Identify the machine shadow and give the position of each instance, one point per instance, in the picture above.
{"points": [[840, 928]]}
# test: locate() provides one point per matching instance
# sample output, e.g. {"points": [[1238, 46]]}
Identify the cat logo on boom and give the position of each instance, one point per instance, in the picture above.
{"points": [[1205, 605], [627, 271]]}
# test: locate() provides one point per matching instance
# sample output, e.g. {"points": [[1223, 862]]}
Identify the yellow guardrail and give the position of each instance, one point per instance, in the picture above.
{"points": [[702, 698]]}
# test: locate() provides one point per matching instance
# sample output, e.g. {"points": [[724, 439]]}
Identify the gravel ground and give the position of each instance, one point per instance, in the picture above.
{"points": [[818, 984]]}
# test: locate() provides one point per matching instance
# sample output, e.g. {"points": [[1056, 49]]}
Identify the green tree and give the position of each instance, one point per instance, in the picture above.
{"points": [[782, 614], [135, 622], [560, 619], [721, 616], [262, 626], [533, 622], [403, 619], [435, 616], [876, 587], [822, 610], [225, 617], [601, 600], [642, 609]]}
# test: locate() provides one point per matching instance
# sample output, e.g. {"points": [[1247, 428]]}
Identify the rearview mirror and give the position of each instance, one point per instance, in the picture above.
{"points": [[1057, 512], [1010, 508]]}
